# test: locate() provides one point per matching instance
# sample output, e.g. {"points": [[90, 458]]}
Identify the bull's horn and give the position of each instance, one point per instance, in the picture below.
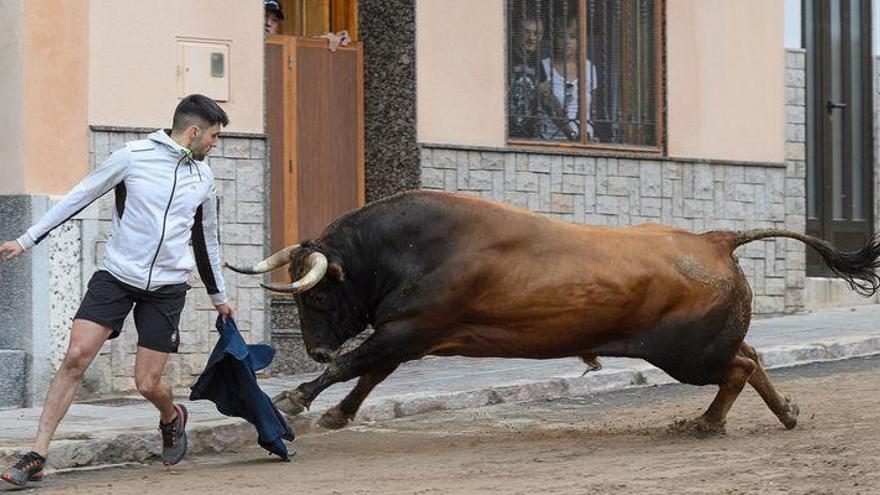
{"points": [[277, 260], [317, 264]]}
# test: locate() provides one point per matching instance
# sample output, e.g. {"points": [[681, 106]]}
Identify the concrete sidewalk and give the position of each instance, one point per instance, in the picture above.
{"points": [[124, 429]]}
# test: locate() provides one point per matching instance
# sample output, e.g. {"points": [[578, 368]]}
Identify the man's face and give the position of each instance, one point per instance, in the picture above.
{"points": [[270, 24], [532, 32], [203, 140]]}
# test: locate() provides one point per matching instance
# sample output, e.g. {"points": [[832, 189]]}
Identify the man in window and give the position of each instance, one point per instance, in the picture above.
{"points": [[525, 73], [273, 17]]}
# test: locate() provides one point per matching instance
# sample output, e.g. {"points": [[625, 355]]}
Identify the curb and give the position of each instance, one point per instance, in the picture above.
{"points": [[230, 434]]}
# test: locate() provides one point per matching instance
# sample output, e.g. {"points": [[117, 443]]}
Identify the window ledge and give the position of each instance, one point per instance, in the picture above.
{"points": [[596, 153]]}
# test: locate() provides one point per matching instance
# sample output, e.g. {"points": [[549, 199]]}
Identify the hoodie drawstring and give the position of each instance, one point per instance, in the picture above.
{"points": [[187, 155]]}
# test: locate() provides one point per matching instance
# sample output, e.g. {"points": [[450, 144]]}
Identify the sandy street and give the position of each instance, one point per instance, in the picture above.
{"points": [[605, 444]]}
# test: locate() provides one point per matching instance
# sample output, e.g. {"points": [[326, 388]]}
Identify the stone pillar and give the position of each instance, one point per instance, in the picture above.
{"points": [[25, 364], [388, 32]]}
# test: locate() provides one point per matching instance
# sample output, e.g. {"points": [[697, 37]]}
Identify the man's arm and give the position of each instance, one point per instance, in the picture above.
{"points": [[206, 247], [96, 184]]}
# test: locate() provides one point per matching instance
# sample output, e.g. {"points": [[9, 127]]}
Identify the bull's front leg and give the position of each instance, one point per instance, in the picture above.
{"points": [[293, 402], [339, 415], [384, 350]]}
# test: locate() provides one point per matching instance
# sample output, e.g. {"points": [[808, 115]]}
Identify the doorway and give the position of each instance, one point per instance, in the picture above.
{"points": [[314, 121], [840, 156]]}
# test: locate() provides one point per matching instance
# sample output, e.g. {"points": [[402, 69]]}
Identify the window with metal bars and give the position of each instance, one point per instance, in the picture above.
{"points": [[612, 46]]}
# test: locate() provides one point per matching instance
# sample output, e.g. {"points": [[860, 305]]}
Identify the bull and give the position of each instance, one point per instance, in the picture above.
{"points": [[443, 274]]}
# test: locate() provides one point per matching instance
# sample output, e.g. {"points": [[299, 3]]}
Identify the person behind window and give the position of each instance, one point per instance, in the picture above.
{"points": [[525, 74], [273, 17], [559, 92]]}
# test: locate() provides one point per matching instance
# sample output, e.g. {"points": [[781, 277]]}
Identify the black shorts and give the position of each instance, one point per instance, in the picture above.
{"points": [[156, 313]]}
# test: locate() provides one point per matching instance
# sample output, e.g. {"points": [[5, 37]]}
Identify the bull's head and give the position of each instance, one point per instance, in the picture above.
{"points": [[330, 310]]}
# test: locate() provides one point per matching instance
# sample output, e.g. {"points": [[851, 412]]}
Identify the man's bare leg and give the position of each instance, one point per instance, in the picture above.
{"points": [[148, 368], [86, 339]]}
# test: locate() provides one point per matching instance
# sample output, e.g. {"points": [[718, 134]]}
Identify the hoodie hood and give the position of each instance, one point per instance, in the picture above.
{"points": [[162, 136]]}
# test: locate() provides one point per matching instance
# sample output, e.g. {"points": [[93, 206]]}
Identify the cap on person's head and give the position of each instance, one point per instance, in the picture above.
{"points": [[274, 7]]}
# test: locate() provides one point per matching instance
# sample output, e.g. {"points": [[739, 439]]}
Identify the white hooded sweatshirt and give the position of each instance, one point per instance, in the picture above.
{"points": [[164, 200]]}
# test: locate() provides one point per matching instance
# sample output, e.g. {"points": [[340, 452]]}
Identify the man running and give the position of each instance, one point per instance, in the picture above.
{"points": [[165, 199]]}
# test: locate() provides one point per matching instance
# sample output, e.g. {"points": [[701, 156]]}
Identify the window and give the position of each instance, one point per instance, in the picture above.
{"points": [[613, 47]]}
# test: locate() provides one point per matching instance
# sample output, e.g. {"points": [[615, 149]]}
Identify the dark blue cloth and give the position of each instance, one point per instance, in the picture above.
{"points": [[229, 381]]}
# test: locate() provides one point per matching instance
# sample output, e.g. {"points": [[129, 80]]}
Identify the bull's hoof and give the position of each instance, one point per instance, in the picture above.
{"points": [[697, 427], [789, 415], [592, 363], [334, 419], [290, 402]]}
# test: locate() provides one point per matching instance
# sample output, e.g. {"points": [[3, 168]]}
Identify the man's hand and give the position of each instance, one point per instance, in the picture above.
{"points": [[226, 310], [9, 250]]}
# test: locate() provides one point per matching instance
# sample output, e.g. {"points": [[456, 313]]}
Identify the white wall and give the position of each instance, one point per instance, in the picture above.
{"points": [[793, 23]]}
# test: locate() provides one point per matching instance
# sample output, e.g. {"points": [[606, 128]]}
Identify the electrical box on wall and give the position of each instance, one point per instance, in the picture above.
{"points": [[203, 68]]}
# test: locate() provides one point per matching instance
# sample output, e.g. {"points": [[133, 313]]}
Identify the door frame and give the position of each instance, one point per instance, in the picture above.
{"points": [[819, 150]]}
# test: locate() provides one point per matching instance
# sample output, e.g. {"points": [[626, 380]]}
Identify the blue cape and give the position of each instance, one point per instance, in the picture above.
{"points": [[229, 381]]}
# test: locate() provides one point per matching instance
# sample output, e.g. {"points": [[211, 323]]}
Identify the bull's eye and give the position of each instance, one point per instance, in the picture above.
{"points": [[317, 300]]}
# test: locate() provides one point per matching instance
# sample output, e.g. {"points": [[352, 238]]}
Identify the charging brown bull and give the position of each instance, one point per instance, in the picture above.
{"points": [[443, 274]]}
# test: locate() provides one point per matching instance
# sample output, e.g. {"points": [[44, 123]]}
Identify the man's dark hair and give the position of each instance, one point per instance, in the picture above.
{"points": [[199, 110]]}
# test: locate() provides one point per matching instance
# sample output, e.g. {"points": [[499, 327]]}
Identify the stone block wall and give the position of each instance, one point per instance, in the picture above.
{"points": [[795, 176], [76, 250], [291, 356], [628, 190]]}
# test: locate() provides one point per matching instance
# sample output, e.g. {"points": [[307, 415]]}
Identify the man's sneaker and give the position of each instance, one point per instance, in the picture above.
{"points": [[28, 468], [174, 437]]}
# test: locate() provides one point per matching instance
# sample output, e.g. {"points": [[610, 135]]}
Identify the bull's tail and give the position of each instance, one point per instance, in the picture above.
{"points": [[858, 268]]}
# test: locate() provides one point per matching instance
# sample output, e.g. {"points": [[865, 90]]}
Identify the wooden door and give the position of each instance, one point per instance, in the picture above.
{"points": [[328, 140], [316, 133]]}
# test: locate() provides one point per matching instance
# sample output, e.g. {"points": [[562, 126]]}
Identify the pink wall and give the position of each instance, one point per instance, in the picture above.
{"points": [[134, 58], [726, 79], [460, 72], [55, 108]]}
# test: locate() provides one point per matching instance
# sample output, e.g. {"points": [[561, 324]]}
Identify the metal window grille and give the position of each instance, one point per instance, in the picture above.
{"points": [[584, 71]]}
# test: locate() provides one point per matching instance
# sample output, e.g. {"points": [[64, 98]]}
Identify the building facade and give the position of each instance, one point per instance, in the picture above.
{"points": [[81, 78], [701, 114]]}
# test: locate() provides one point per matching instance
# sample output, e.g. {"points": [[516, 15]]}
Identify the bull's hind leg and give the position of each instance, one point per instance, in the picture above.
{"points": [[339, 415], [712, 421], [784, 409]]}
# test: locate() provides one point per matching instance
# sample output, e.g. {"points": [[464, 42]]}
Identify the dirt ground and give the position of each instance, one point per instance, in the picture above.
{"points": [[604, 444]]}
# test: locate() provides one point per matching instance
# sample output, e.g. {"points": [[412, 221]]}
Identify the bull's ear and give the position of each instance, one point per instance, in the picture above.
{"points": [[335, 269]]}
